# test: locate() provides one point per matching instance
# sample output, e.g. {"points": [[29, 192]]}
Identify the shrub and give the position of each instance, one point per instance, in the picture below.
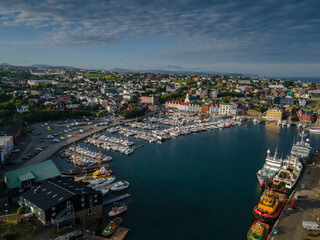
{"points": [[20, 210]]}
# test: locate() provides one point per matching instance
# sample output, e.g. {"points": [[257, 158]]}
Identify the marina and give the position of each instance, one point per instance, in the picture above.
{"points": [[143, 170]]}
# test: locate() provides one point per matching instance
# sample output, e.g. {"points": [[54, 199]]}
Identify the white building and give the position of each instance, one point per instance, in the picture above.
{"points": [[6, 147], [228, 109]]}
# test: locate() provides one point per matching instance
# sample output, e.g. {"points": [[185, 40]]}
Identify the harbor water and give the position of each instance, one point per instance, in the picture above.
{"points": [[199, 186]]}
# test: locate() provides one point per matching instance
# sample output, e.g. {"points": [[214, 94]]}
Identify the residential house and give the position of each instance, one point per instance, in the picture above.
{"points": [[214, 109]]}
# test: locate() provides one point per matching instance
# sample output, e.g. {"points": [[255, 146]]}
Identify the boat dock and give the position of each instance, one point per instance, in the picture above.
{"points": [[303, 205], [140, 146], [118, 235], [110, 201]]}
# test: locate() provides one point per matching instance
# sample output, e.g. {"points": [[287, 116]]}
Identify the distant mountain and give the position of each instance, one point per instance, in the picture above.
{"points": [[5, 64], [120, 70], [184, 71], [49, 66]]}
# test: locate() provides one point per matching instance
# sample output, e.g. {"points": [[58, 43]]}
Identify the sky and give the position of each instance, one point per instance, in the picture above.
{"points": [[261, 37]]}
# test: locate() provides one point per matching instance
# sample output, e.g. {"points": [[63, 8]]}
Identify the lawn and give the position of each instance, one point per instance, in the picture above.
{"points": [[21, 231]]}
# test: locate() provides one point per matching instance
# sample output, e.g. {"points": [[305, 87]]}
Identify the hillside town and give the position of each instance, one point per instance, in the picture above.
{"points": [[69, 105]]}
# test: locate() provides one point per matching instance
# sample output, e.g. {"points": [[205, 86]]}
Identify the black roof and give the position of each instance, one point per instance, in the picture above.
{"points": [[9, 129], [52, 192]]}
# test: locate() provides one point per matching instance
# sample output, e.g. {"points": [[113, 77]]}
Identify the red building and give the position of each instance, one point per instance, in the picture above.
{"points": [[205, 108], [12, 130], [305, 115]]}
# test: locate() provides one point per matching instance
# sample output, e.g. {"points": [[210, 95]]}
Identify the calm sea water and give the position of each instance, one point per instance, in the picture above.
{"points": [[303, 79], [200, 186]]}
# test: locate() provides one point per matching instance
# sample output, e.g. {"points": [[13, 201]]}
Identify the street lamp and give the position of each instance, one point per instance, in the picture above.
{"points": [[6, 210]]}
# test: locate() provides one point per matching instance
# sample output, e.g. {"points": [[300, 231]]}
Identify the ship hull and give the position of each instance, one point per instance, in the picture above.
{"points": [[270, 218]]}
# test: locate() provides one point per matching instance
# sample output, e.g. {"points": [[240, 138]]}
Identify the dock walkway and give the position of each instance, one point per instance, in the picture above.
{"points": [[307, 207], [110, 201]]}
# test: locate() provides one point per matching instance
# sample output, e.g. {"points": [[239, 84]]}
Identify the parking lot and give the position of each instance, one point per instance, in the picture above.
{"points": [[51, 134]]}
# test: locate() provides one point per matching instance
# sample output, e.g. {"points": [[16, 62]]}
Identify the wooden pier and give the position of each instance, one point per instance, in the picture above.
{"points": [[118, 235]]}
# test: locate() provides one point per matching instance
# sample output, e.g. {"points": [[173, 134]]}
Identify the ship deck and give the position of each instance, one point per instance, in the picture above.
{"points": [[307, 207]]}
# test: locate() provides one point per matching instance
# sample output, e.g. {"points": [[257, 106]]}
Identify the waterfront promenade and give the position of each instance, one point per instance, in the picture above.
{"points": [[307, 207]]}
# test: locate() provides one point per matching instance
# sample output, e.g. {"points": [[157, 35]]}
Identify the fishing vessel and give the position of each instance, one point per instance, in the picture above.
{"points": [[269, 169], [270, 206], [111, 227], [288, 175], [258, 231], [117, 210], [120, 185], [302, 148]]}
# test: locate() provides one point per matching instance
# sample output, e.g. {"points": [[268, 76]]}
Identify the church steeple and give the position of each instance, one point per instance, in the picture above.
{"points": [[187, 98]]}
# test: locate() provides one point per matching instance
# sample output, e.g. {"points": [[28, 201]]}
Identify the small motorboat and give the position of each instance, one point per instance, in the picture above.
{"points": [[99, 182], [117, 210], [111, 227], [120, 185]]}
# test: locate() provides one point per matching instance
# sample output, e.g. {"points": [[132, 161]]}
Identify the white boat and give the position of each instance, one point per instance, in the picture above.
{"points": [[314, 129], [104, 182], [128, 151], [117, 210], [120, 185]]}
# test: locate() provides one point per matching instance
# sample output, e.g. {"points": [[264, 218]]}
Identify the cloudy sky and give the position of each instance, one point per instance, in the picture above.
{"points": [[265, 37]]}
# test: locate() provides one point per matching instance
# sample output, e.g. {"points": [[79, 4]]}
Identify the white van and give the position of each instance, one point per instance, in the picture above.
{"points": [[310, 225]]}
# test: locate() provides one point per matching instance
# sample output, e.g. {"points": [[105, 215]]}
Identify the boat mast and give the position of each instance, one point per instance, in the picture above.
{"points": [[100, 162], [74, 150]]}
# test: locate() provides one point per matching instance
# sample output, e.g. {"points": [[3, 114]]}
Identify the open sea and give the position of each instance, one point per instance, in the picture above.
{"points": [[199, 186]]}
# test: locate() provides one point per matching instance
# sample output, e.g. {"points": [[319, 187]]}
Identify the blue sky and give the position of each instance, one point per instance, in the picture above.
{"points": [[264, 37]]}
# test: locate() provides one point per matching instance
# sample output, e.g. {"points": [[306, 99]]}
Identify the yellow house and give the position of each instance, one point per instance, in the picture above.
{"points": [[274, 114], [296, 95]]}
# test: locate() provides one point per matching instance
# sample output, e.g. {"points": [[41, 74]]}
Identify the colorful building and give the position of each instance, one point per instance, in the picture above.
{"points": [[214, 109], [153, 100], [274, 114], [205, 108], [305, 115]]}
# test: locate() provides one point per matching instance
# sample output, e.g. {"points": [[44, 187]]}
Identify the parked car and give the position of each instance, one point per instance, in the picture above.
{"points": [[16, 150]]}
